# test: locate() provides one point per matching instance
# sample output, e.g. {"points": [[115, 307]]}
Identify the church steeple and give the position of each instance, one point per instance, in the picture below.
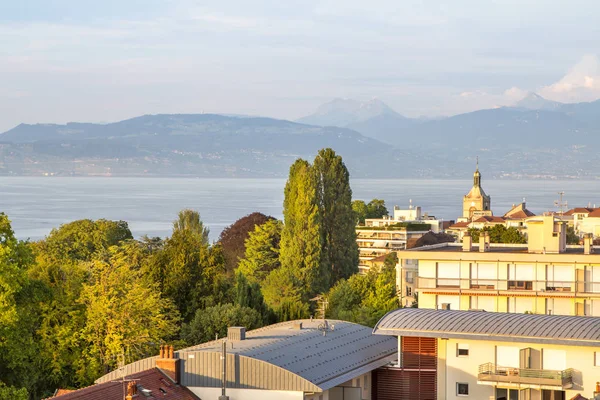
{"points": [[477, 175]]}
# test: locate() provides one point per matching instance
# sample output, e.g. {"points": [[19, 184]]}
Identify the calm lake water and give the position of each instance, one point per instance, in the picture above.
{"points": [[36, 205]]}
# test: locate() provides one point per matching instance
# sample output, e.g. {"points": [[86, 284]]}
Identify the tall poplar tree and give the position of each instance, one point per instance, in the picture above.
{"points": [[340, 251], [301, 239]]}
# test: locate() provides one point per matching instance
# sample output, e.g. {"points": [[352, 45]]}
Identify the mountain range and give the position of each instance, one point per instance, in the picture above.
{"points": [[534, 138]]}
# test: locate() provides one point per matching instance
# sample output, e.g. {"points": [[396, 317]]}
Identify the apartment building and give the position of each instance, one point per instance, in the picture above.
{"points": [[544, 276], [377, 240], [456, 355]]}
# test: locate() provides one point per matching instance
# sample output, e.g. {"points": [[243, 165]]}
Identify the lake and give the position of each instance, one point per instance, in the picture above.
{"points": [[35, 205]]}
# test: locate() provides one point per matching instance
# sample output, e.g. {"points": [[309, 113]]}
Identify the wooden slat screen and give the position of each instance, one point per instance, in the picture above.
{"points": [[416, 379]]}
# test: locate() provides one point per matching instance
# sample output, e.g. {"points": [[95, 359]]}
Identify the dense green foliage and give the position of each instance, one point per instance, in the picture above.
{"points": [[365, 298], [262, 251], [340, 250], [233, 238], [301, 251], [374, 209], [500, 234], [213, 322], [572, 237], [12, 393], [89, 296]]}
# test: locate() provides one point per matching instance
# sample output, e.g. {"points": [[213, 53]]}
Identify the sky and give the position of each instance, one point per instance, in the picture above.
{"points": [[103, 61]]}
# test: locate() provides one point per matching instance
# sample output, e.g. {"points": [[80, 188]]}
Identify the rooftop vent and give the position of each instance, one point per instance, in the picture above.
{"points": [[236, 333]]}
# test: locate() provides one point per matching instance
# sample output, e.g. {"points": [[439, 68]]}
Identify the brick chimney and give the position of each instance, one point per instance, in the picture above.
{"points": [[588, 243], [467, 243], [167, 362], [132, 392]]}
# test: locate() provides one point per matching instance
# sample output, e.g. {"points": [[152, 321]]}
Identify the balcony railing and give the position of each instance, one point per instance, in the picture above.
{"points": [[490, 372], [508, 285]]}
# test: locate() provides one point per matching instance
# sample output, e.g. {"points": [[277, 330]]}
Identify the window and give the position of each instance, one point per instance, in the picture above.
{"points": [[597, 359], [462, 389], [366, 382], [462, 350]]}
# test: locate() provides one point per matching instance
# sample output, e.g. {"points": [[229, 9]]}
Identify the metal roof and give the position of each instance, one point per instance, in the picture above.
{"points": [[481, 325], [295, 359], [325, 361]]}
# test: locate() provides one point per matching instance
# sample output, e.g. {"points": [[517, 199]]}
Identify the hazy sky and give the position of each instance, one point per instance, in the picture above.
{"points": [[66, 60]]}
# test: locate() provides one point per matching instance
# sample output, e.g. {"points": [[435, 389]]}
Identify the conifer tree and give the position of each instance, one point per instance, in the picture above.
{"points": [[301, 239], [340, 251]]}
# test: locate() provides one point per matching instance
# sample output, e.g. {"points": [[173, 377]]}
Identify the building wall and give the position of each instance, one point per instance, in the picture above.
{"points": [[247, 394], [453, 369], [356, 389], [562, 288]]}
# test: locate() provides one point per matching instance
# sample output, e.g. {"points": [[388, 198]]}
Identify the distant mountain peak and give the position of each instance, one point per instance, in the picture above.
{"points": [[533, 101], [343, 112]]}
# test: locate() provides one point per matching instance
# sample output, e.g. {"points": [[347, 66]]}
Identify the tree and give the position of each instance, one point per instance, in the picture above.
{"points": [[337, 216], [233, 238], [262, 251], [213, 321], [284, 295], [301, 237], [189, 221], [572, 237], [60, 270], [79, 240], [12, 393], [375, 209], [123, 314], [499, 234], [20, 363], [365, 298], [359, 207]]}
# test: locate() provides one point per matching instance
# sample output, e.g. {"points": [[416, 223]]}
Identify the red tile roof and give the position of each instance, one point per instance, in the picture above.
{"points": [[595, 213], [487, 218], [154, 380], [580, 210], [521, 214], [459, 225]]}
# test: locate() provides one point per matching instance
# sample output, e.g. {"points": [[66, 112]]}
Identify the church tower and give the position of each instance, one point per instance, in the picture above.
{"points": [[476, 203]]}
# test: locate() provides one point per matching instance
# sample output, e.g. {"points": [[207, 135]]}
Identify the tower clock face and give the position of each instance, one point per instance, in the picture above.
{"points": [[472, 204]]}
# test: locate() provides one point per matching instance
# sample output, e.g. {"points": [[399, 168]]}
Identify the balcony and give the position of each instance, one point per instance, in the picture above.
{"points": [[493, 374], [462, 284]]}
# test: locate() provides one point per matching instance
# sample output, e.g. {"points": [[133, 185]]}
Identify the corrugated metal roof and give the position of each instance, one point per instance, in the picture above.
{"points": [[322, 360], [481, 325]]}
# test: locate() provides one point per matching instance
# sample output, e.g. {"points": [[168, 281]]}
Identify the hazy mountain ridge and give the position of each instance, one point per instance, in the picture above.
{"points": [[187, 144], [511, 141]]}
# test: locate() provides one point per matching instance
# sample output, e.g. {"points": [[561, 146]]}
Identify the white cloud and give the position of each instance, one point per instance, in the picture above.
{"points": [[515, 93], [581, 83]]}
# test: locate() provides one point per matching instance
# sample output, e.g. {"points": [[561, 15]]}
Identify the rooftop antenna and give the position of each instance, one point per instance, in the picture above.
{"points": [[560, 203], [324, 325]]}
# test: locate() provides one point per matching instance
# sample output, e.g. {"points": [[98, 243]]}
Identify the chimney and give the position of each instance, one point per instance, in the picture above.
{"points": [[588, 243], [236, 333], [484, 241], [167, 362], [297, 326], [467, 242], [131, 391]]}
